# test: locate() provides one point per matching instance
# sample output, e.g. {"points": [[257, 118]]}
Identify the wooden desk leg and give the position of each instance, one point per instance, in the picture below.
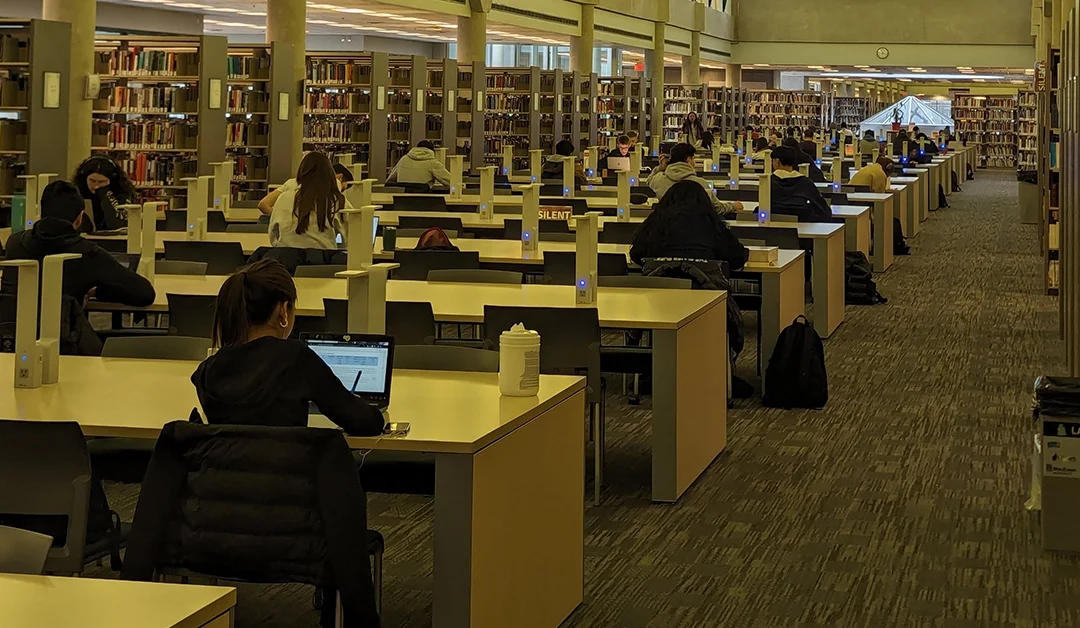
{"points": [[224, 620], [924, 202], [828, 279], [883, 235], [857, 234], [510, 527], [935, 180], [910, 212], [689, 416], [783, 298]]}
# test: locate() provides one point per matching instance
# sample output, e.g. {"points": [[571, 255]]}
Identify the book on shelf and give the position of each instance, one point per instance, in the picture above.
{"points": [[138, 61]]}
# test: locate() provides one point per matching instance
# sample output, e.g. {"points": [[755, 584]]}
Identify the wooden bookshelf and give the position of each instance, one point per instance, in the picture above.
{"points": [[470, 113], [780, 109], [33, 136], [680, 101], [849, 110], [1027, 132], [257, 141], [512, 116], [154, 113], [339, 106], [1050, 129], [620, 103], [988, 122], [728, 109]]}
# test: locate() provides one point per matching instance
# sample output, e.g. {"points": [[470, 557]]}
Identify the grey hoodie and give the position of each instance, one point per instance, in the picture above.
{"points": [[420, 166], [661, 181]]}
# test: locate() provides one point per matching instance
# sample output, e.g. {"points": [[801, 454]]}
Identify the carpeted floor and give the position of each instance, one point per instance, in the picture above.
{"points": [[900, 504]]}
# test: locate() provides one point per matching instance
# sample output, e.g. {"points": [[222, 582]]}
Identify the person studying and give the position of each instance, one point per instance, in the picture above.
{"points": [[682, 168], [419, 170], [794, 194], [306, 217]]}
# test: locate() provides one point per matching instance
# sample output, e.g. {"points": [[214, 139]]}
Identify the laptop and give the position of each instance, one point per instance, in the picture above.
{"points": [[362, 362], [374, 232], [618, 163]]}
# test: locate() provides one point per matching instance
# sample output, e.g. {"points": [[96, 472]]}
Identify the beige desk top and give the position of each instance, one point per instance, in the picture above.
{"points": [[59, 602], [904, 179], [840, 211], [869, 196], [472, 220], [596, 202], [471, 412], [809, 230]]}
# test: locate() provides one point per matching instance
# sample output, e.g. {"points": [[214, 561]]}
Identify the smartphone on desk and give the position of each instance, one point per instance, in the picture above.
{"points": [[397, 429]]}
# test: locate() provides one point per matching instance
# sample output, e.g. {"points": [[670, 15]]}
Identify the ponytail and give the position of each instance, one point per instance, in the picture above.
{"points": [[248, 298]]}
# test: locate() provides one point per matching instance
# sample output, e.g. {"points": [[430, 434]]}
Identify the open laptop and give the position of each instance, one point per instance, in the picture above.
{"points": [[618, 163], [364, 363], [374, 232]]}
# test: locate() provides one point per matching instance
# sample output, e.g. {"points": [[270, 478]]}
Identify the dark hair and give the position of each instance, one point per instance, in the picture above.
{"points": [[915, 130], [631, 133], [346, 174], [425, 144], [623, 140], [886, 164], [682, 152], [248, 298], [682, 198], [119, 184], [786, 155], [843, 125], [921, 136], [707, 141], [761, 143], [61, 199], [901, 135], [750, 127], [869, 135], [564, 148], [318, 193], [808, 133], [791, 141]]}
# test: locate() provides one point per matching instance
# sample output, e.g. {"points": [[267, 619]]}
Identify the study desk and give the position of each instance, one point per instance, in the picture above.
{"points": [[902, 206], [882, 206], [926, 193], [913, 199], [505, 200], [689, 350], [937, 174], [509, 488], [62, 602], [783, 298], [856, 224]]}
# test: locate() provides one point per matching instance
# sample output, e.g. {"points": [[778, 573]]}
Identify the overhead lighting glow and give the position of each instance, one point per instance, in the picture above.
{"points": [[761, 65], [996, 77], [863, 67], [979, 80]]}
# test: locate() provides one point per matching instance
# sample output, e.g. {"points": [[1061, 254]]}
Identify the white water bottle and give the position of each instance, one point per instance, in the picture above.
{"points": [[519, 362]]}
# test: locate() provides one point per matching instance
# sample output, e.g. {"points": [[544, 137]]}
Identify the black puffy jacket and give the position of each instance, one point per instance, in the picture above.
{"points": [[263, 504]]}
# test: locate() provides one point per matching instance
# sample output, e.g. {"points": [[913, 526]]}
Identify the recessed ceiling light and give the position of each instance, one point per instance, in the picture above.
{"points": [[816, 67], [1029, 71], [761, 65], [962, 67], [979, 80], [863, 67]]}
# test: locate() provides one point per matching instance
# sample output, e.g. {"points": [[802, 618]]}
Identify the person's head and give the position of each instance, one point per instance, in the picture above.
{"points": [[691, 117], [760, 144], [683, 153], [100, 172], [785, 158], [791, 141], [425, 144], [793, 131], [564, 148], [946, 131], [869, 136], [886, 165], [843, 126], [749, 128], [62, 200], [901, 135], [921, 136], [808, 134], [318, 193], [343, 175], [257, 300], [622, 145], [915, 131], [633, 137], [685, 195]]}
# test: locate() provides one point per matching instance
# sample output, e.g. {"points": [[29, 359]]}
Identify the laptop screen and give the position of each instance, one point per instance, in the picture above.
{"points": [[374, 232], [618, 163], [362, 363]]}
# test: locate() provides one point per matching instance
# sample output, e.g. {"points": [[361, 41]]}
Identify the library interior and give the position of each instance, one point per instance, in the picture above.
{"points": [[539, 313]]}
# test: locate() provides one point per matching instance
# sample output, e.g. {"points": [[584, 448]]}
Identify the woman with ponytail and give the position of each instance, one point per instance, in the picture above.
{"points": [[258, 376]]}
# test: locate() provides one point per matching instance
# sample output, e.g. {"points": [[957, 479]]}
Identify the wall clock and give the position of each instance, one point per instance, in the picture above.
{"points": [[883, 53]]}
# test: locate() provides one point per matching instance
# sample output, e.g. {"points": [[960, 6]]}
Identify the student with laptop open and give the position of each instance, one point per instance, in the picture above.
{"points": [[306, 217], [618, 159]]}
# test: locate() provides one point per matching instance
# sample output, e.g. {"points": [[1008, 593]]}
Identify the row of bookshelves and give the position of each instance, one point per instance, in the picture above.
{"points": [[992, 123]]}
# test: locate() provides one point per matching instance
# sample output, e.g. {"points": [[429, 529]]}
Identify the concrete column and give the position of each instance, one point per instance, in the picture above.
{"points": [[582, 51], [82, 15], [654, 70], [285, 21], [691, 64], [733, 74], [826, 86], [472, 38]]}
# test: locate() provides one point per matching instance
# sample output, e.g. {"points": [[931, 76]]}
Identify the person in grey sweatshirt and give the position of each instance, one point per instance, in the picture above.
{"points": [[679, 167], [420, 167]]}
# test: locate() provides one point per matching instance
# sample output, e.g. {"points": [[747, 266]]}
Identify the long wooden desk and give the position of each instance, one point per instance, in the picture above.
{"points": [[883, 207], [925, 189], [509, 492], [689, 350], [915, 201], [856, 224], [61, 602], [783, 298]]}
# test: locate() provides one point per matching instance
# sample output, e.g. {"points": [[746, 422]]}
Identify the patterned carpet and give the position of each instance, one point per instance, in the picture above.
{"points": [[900, 504]]}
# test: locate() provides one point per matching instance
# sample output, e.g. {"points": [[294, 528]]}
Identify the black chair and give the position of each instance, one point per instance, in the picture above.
{"points": [[445, 358], [191, 315], [550, 189], [643, 189], [512, 227], [618, 232], [409, 322], [246, 227], [157, 348], [112, 245], [560, 267], [570, 346], [416, 264], [578, 206], [215, 222], [175, 220], [431, 203], [222, 258], [446, 223]]}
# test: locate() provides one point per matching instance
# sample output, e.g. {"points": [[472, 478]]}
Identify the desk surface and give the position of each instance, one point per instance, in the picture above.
{"points": [[596, 202], [869, 196], [59, 602], [808, 230], [840, 211], [470, 411]]}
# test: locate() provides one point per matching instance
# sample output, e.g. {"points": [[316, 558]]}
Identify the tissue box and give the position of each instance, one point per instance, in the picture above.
{"points": [[764, 255]]}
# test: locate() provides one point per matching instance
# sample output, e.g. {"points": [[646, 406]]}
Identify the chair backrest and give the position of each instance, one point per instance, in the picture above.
{"points": [[641, 281], [618, 232], [415, 265], [409, 322], [783, 237], [215, 222], [249, 227], [156, 347], [643, 190], [445, 358], [446, 223], [175, 220], [178, 267], [560, 267], [222, 258], [46, 479], [785, 217], [433, 203], [319, 270], [476, 275], [550, 189], [512, 227], [569, 336], [23, 551], [192, 314], [578, 206], [416, 233]]}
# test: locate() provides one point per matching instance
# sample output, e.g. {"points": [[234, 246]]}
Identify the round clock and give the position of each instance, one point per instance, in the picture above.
{"points": [[883, 53]]}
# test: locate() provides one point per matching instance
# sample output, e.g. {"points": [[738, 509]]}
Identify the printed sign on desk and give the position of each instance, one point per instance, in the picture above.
{"points": [[1061, 449], [555, 212]]}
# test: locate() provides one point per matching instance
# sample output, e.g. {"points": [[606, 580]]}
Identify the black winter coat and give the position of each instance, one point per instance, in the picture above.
{"points": [[263, 504], [687, 234], [798, 196]]}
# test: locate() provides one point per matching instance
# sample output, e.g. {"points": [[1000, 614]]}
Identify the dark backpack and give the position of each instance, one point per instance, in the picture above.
{"points": [[899, 246], [955, 182], [859, 286], [943, 203], [970, 172], [795, 377]]}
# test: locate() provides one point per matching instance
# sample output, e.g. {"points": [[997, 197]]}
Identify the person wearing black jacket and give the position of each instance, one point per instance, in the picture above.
{"points": [[815, 173], [898, 143], [105, 184], [96, 274], [794, 194], [260, 377], [808, 145]]}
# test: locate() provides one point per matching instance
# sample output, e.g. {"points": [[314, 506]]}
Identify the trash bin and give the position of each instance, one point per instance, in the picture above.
{"points": [[1027, 183], [1057, 417]]}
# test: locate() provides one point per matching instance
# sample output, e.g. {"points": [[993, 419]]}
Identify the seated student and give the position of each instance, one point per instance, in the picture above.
{"points": [[96, 274], [776, 138], [815, 173], [633, 137], [898, 142], [553, 165], [420, 168], [925, 144], [306, 217], [808, 145], [945, 137], [875, 175], [680, 167], [868, 144], [260, 377], [266, 205], [622, 149], [761, 145], [794, 194], [105, 184]]}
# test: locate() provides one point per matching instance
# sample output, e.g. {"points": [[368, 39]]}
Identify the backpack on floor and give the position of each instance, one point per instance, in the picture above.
{"points": [[970, 173], [899, 243], [859, 286], [942, 202], [955, 182], [795, 377]]}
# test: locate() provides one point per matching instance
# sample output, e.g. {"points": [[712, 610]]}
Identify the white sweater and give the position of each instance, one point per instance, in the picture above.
{"points": [[283, 226]]}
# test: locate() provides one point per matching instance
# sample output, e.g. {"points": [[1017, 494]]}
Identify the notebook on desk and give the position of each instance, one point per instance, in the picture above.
{"points": [[362, 362]]}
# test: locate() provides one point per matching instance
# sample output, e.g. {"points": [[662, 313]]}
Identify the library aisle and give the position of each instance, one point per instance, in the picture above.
{"points": [[900, 504]]}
